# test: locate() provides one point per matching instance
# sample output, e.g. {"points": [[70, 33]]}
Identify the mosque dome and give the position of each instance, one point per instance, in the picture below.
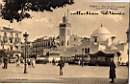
{"points": [[102, 34]]}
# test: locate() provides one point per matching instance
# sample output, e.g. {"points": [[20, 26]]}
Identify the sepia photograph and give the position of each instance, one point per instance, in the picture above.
{"points": [[64, 41]]}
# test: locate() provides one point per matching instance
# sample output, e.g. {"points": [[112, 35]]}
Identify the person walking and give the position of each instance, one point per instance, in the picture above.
{"points": [[18, 63], [5, 61], [18, 60], [61, 65], [53, 61], [33, 60], [0, 60], [82, 62], [112, 72]]}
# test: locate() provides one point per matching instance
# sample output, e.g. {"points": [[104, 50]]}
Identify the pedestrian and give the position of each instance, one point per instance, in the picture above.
{"points": [[0, 60], [82, 62], [53, 61], [18, 61], [29, 61], [5, 61], [112, 72], [61, 65], [33, 62]]}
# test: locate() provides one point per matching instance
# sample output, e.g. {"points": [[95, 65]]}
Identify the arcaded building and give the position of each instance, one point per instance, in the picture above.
{"points": [[10, 41]]}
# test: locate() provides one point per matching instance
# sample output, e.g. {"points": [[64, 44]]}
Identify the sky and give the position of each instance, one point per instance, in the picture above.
{"points": [[46, 23]]}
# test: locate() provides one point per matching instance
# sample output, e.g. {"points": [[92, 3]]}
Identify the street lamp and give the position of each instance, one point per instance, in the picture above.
{"points": [[25, 35]]}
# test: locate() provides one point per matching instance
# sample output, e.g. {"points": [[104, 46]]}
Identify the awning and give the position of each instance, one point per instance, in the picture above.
{"points": [[101, 53]]}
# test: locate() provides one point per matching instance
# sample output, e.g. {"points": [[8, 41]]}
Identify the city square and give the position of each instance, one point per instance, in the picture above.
{"points": [[64, 46], [72, 74]]}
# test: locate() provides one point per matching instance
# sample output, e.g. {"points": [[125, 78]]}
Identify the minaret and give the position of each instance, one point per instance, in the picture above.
{"points": [[64, 31]]}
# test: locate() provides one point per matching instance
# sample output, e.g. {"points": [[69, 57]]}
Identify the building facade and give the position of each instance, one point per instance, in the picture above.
{"points": [[42, 46], [10, 41], [100, 40]]}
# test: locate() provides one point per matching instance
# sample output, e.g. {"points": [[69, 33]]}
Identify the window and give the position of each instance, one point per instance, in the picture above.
{"points": [[11, 40], [17, 40], [11, 34], [16, 47], [5, 40], [87, 50], [74, 39], [62, 43], [16, 35], [95, 39], [11, 47], [67, 42]]}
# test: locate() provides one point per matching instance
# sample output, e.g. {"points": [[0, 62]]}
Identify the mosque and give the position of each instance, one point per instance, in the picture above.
{"points": [[101, 44]]}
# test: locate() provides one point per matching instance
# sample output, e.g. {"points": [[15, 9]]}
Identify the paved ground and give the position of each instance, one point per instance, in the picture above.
{"points": [[72, 74]]}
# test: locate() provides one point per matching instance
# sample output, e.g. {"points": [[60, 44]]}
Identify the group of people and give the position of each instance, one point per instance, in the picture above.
{"points": [[61, 63], [29, 61], [5, 61], [112, 71]]}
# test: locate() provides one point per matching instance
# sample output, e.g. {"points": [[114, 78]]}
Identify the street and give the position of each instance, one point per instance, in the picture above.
{"points": [[73, 74]]}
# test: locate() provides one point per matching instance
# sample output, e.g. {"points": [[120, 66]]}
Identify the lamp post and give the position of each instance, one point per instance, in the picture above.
{"points": [[25, 35]]}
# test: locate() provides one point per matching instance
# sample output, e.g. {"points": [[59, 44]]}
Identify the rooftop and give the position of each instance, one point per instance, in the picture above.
{"points": [[7, 29], [101, 30]]}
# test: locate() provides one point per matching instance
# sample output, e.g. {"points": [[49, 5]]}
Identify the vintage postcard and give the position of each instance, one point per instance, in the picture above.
{"points": [[64, 41]]}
